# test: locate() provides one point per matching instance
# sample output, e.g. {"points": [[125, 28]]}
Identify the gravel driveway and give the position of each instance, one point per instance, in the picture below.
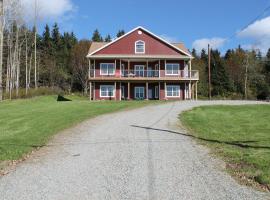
{"points": [[136, 154]]}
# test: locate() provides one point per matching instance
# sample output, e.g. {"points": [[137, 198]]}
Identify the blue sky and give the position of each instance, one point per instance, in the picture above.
{"points": [[193, 22]]}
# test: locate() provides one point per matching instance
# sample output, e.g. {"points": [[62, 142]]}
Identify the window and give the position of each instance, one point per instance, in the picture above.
{"points": [[139, 47], [173, 91], [107, 69], [106, 91], [172, 69], [139, 70], [139, 92]]}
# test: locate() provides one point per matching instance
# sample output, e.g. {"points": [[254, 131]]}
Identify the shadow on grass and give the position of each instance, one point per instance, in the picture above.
{"points": [[234, 143]]}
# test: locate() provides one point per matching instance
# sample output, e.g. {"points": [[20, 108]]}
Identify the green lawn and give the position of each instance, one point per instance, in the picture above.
{"points": [[26, 124], [239, 134]]}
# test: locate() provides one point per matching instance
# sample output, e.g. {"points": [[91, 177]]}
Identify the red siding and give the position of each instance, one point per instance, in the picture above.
{"points": [[126, 45]]}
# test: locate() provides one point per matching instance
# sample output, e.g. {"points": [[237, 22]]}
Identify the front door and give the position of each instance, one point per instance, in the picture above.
{"points": [[139, 92], [150, 93], [139, 70]]}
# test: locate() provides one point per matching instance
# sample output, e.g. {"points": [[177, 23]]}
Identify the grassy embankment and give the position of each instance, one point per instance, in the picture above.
{"points": [[239, 134]]}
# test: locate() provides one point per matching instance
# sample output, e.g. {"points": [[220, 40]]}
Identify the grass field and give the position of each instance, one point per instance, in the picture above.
{"points": [[26, 124], [239, 134]]}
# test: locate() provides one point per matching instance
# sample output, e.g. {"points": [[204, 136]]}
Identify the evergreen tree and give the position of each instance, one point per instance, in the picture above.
{"points": [[46, 38], [194, 53], [56, 37], [97, 37], [120, 33], [219, 77], [108, 38]]}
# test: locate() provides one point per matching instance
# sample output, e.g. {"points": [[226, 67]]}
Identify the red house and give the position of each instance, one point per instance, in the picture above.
{"points": [[141, 65]]}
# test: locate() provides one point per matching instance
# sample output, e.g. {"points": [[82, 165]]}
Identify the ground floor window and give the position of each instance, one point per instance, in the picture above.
{"points": [[173, 91], [107, 91], [139, 92]]}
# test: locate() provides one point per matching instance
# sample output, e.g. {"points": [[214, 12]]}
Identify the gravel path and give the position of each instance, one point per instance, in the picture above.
{"points": [[137, 154]]}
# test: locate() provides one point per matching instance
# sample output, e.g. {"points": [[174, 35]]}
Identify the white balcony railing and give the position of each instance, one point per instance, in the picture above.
{"points": [[181, 74]]}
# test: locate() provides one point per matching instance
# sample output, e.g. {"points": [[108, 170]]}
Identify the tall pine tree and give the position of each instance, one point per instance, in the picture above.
{"points": [[96, 36]]}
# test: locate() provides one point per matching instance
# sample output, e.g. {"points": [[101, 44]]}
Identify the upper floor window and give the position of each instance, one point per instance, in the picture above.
{"points": [[172, 69], [107, 69], [139, 46]]}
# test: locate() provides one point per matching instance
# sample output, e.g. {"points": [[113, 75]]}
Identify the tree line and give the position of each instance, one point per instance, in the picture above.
{"points": [[47, 61], [239, 74]]}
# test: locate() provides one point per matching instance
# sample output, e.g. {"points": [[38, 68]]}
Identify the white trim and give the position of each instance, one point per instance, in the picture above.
{"points": [[106, 86], [172, 64], [100, 71], [179, 90], [139, 27], [135, 91], [135, 47], [138, 66]]}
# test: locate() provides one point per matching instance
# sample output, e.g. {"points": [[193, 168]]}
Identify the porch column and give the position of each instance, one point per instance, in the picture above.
{"points": [[94, 68], [120, 92], [196, 93], [159, 68], [146, 68], [165, 90], [89, 69], [128, 90], [120, 68], [90, 91], [189, 90], [146, 94], [128, 67], [94, 91], [159, 91], [115, 91]]}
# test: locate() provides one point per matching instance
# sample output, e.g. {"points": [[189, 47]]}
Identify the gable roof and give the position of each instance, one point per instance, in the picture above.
{"points": [[97, 46]]}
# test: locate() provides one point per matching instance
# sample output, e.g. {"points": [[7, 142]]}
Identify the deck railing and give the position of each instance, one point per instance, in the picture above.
{"points": [[184, 74]]}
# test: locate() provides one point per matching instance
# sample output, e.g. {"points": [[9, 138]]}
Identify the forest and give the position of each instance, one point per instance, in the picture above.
{"points": [[40, 62]]}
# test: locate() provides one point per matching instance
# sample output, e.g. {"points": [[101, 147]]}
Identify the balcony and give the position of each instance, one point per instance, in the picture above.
{"points": [[144, 75]]}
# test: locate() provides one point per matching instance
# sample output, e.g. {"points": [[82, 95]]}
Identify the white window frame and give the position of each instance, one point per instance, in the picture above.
{"points": [[140, 52], [172, 74], [135, 92], [100, 93], [101, 73], [135, 70], [173, 86]]}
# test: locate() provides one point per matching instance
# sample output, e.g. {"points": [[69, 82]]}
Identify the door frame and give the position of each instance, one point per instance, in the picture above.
{"points": [[140, 87]]}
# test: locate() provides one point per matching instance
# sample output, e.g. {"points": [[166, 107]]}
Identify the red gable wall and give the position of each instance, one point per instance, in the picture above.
{"points": [[126, 45]]}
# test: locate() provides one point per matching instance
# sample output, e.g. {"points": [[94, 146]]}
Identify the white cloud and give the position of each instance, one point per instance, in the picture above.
{"points": [[259, 32], [215, 43], [48, 9]]}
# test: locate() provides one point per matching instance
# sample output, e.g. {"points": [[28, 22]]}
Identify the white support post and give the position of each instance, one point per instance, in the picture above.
{"points": [[95, 68], [196, 93], [159, 91], [94, 91], [115, 91], [120, 68], [120, 92], [90, 91], [128, 90], [89, 69], [159, 68], [146, 94], [146, 68], [128, 67], [165, 90]]}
